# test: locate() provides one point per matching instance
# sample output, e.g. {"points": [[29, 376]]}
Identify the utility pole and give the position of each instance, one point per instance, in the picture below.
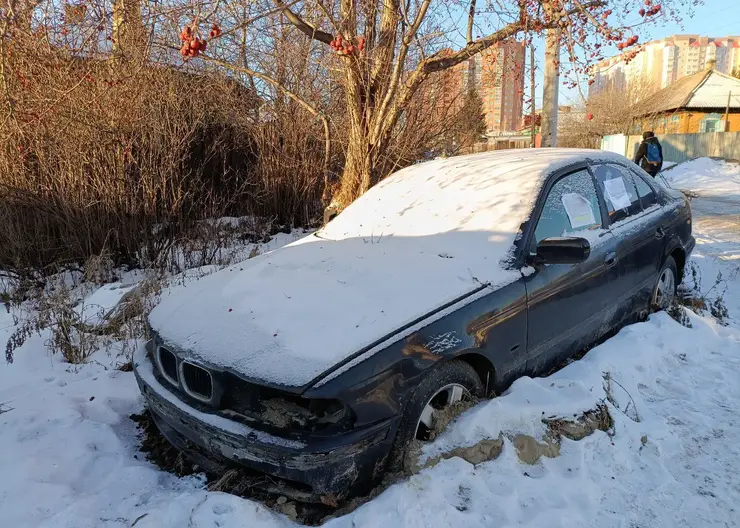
{"points": [[533, 140], [727, 112], [549, 127]]}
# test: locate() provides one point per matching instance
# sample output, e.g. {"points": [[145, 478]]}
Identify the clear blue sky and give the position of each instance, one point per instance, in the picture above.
{"points": [[716, 18]]}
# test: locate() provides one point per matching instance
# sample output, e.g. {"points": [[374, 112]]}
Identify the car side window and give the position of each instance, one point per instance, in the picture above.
{"points": [[571, 205], [619, 191], [645, 192]]}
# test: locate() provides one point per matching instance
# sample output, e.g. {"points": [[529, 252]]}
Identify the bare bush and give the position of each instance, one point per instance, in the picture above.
{"points": [[104, 153], [125, 149], [611, 111], [76, 329], [55, 311], [691, 295]]}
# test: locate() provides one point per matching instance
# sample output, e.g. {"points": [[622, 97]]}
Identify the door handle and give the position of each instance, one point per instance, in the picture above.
{"points": [[659, 233], [610, 259]]}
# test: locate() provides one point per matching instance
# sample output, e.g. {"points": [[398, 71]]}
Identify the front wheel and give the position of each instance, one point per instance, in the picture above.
{"points": [[664, 291], [437, 399]]}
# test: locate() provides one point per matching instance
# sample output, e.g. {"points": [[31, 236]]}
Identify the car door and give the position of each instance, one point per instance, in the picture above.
{"points": [[569, 305], [635, 223]]}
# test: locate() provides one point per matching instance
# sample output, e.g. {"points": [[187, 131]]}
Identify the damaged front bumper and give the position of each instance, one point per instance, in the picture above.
{"points": [[315, 469]]}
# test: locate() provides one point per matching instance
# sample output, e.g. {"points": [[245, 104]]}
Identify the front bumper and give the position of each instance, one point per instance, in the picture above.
{"points": [[315, 469]]}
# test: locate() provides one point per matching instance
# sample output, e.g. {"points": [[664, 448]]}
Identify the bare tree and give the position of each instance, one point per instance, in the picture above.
{"points": [[615, 110], [386, 50], [356, 67]]}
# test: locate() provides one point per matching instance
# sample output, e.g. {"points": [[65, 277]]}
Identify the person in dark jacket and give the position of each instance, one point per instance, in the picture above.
{"points": [[650, 154]]}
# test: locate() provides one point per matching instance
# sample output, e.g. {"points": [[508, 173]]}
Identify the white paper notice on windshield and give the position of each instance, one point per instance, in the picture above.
{"points": [[579, 210], [617, 193]]}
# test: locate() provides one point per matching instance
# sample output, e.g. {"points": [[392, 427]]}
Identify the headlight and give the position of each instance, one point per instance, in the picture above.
{"points": [[274, 408]]}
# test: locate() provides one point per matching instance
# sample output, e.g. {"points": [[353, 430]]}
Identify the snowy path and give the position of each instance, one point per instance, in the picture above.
{"points": [[68, 451], [717, 221]]}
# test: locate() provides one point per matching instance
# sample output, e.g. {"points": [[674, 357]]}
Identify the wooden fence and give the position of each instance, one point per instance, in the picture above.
{"points": [[680, 147]]}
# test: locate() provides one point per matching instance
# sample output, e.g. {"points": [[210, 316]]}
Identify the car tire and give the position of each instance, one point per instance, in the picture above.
{"points": [[440, 379], [664, 290]]}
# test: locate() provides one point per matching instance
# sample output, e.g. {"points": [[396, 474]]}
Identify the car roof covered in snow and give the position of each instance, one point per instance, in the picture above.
{"points": [[424, 237]]}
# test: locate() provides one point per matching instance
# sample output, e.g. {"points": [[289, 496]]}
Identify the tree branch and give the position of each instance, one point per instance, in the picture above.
{"points": [[306, 28], [583, 9], [386, 42], [292, 95], [249, 21], [442, 62], [439, 62], [471, 18], [400, 61]]}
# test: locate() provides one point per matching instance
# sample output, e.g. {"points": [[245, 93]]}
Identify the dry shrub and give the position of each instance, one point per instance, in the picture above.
{"points": [[126, 157], [691, 295], [124, 147], [289, 167], [54, 310], [58, 311]]}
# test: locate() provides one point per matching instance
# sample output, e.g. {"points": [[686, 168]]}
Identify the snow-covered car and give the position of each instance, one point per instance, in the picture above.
{"points": [[319, 363]]}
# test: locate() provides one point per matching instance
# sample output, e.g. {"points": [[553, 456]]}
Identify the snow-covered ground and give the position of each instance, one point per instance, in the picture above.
{"points": [[706, 177], [68, 451]]}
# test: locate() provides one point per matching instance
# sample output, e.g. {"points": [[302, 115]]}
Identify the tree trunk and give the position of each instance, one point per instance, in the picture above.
{"points": [[549, 126], [129, 33], [357, 174]]}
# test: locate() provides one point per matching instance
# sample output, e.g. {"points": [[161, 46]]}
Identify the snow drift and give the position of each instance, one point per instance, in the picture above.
{"points": [[706, 176]]}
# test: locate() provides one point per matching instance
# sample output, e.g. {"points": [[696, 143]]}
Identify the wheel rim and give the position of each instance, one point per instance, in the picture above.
{"points": [[442, 399], [665, 290]]}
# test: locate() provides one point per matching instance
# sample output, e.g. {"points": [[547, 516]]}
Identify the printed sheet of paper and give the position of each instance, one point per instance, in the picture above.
{"points": [[617, 193], [579, 210]]}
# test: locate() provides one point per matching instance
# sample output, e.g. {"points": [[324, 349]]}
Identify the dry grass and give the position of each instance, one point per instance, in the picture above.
{"points": [[127, 149], [106, 156]]}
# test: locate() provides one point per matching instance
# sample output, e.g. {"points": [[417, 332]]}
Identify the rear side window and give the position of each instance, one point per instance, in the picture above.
{"points": [[619, 191], [571, 205], [644, 192]]}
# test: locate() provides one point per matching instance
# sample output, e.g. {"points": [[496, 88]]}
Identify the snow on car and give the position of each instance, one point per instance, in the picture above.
{"points": [[450, 279], [425, 237]]}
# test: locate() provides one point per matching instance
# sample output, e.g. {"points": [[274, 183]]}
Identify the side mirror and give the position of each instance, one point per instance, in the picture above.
{"points": [[563, 250]]}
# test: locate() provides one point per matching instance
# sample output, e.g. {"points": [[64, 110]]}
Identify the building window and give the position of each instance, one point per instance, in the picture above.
{"points": [[674, 124], [711, 123]]}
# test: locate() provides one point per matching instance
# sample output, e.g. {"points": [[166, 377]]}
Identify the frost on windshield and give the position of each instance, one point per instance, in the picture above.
{"points": [[618, 188], [571, 206]]}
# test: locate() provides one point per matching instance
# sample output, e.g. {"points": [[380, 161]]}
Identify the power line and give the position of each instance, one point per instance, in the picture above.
{"points": [[737, 22]]}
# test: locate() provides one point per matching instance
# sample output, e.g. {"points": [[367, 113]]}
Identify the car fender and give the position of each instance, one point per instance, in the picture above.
{"points": [[484, 366], [673, 243], [377, 386]]}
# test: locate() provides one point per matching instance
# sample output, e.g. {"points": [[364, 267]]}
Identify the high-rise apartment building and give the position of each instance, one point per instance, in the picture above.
{"points": [[499, 80], [662, 62], [498, 77]]}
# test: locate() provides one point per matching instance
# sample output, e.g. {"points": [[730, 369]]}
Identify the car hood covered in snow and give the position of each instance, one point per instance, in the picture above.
{"points": [[420, 239]]}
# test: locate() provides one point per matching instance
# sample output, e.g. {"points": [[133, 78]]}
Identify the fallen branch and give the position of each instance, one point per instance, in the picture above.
{"points": [[610, 397]]}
